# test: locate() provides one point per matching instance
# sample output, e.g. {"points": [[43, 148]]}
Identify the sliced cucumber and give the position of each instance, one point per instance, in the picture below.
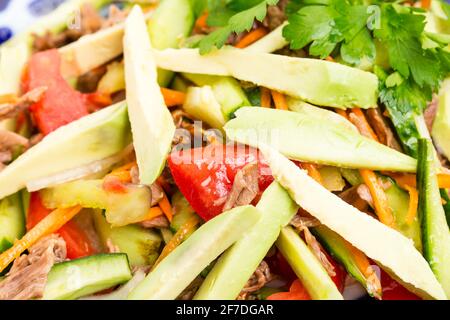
{"points": [[435, 231], [170, 23], [12, 221], [81, 277], [121, 208], [175, 272], [306, 266], [141, 245], [227, 91]]}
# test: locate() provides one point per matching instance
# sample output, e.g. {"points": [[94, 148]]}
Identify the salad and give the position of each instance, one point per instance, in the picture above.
{"points": [[222, 150]]}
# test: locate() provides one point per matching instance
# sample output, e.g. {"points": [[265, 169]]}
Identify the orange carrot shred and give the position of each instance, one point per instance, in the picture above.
{"points": [[342, 113], [172, 97], [8, 98], [362, 125], [266, 99], [312, 171], [413, 204], [280, 100], [166, 207], [153, 213], [178, 238], [51, 223], [329, 58], [425, 4], [201, 22], [251, 37]]}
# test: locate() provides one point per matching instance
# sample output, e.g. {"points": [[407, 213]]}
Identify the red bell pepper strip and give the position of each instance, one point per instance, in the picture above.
{"points": [[61, 104], [205, 176], [77, 242]]}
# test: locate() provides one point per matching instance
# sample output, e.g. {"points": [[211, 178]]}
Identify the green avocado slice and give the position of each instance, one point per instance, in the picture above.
{"points": [[387, 247], [151, 122], [305, 137], [319, 82], [91, 138]]}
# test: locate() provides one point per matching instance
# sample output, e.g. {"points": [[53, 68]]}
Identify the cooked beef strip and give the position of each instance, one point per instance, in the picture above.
{"points": [[115, 16], [191, 290], [28, 275], [357, 196], [245, 187], [89, 21], [382, 128], [259, 279], [275, 15], [430, 113], [10, 110], [88, 82], [9, 140]]}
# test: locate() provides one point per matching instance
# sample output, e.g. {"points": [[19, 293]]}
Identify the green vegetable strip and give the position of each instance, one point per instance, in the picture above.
{"points": [[435, 231], [179, 269], [235, 267]]}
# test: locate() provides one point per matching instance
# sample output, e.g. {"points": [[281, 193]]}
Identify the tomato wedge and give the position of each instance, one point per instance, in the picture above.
{"points": [[205, 175], [392, 290], [61, 104], [77, 242]]}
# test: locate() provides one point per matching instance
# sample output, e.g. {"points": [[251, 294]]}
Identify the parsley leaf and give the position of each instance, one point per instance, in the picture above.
{"points": [[240, 18], [327, 23]]}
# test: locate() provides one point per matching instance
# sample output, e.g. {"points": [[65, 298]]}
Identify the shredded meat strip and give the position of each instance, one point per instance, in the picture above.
{"points": [[430, 113], [158, 222], [275, 15], [10, 110], [382, 129], [358, 196], [259, 278], [303, 224], [89, 21], [191, 290], [28, 275], [156, 191], [9, 140], [245, 187], [115, 16]]}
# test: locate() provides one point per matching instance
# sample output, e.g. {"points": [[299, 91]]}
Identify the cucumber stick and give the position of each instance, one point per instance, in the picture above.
{"points": [[140, 244], [182, 211], [230, 274], [226, 90], [170, 23], [435, 231], [174, 273], [306, 266], [12, 221], [81, 277]]}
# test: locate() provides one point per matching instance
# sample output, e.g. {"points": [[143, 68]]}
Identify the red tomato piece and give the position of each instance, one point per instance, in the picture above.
{"points": [[61, 104], [77, 242], [392, 290], [205, 176]]}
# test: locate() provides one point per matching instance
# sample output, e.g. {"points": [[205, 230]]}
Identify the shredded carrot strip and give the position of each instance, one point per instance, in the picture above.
{"points": [[153, 213], [172, 97], [280, 100], [51, 223], [425, 4], [166, 207], [8, 98], [312, 171], [201, 22], [178, 238], [266, 99], [410, 180], [251, 37], [342, 113], [380, 201], [413, 204], [125, 167], [329, 58], [362, 125]]}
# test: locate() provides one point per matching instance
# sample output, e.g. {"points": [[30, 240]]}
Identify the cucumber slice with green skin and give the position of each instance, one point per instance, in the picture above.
{"points": [[175, 272], [306, 266], [121, 208], [232, 271], [74, 145], [172, 21], [141, 245], [12, 221], [446, 197], [227, 91], [323, 141], [81, 277], [435, 231], [336, 246], [182, 211]]}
